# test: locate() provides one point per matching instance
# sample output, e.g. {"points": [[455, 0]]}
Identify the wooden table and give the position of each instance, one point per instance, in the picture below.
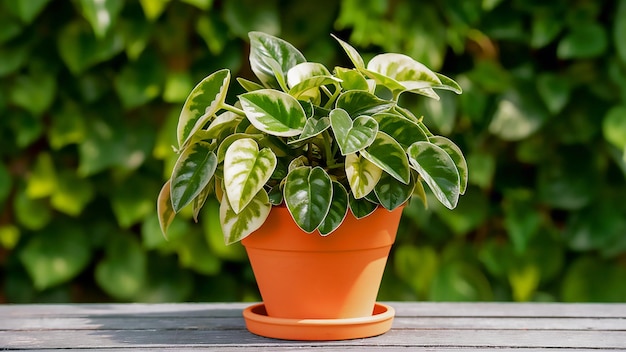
{"points": [[220, 327]]}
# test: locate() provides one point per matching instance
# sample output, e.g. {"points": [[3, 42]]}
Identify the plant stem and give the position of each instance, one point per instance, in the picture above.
{"points": [[233, 109]]}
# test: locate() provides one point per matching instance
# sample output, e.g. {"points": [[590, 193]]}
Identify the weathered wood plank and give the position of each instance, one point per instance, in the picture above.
{"points": [[231, 338], [132, 322]]}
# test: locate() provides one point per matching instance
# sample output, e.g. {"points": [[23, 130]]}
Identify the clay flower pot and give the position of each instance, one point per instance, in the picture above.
{"points": [[312, 284]]}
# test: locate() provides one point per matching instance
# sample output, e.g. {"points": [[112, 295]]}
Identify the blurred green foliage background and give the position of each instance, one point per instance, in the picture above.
{"points": [[90, 92]]}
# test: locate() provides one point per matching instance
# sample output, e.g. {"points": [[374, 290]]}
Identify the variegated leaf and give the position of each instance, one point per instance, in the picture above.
{"points": [[392, 193], [308, 195], [246, 169], [404, 70], [403, 130], [362, 175], [192, 172], [457, 155], [206, 99], [439, 171], [165, 211], [352, 136], [313, 127], [274, 112], [352, 79], [199, 201], [221, 150], [224, 123], [389, 155], [338, 210], [354, 55], [357, 103], [309, 88], [362, 207], [448, 83], [304, 71], [266, 49], [248, 85], [238, 225]]}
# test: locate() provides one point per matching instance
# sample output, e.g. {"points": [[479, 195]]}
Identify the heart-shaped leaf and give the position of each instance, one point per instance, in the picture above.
{"points": [[246, 169], [237, 226], [352, 136], [274, 112], [265, 49], [389, 155], [362, 207], [202, 103], [405, 73], [312, 128], [221, 150], [193, 170], [404, 131], [362, 175], [338, 210], [351, 79], [457, 155], [308, 195], [354, 55], [357, 102], [392, 193], [439, 171]]}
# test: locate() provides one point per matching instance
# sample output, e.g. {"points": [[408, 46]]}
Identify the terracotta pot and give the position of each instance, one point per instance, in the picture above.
{"points": [[308, 276]]}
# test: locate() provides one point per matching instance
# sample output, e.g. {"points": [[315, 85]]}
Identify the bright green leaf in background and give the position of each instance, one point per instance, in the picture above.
{"points": [[140, 81], [122, 272], [583, 41], [153, 8], [57, 255], [34, 92], [26, 11], [614, 127], [133, 200], [101, 14], [12, 57]]}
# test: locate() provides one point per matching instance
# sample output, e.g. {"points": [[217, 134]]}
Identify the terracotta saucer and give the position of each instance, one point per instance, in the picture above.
{"points": [[259, 323]]}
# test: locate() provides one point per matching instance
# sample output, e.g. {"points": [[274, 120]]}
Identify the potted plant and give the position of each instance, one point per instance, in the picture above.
{"points": [[301, 157]]}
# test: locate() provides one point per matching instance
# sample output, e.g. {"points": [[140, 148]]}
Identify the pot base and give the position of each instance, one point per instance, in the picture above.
{"points": [[259, 323]]}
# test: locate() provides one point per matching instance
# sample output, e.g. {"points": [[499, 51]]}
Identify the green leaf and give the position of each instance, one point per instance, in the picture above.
{"points": [[389, 155], [438, 171], [265, 49], [544, 29], [457, 155], [248, 85], [193, 171], [56, 255], [308, 89], [122, 272], [165, 211], [67, 126], [582, 42], [274, 112], [308, 195], [400, 72], [416, 266], [214, 236], [362, 207], [517, 116], [554, 91], [133, 200], [101, 14], [42, 180], [392, 193], [403, 130], [352, 136], [153, 8], [358, 103], [35, 93], [592, 279], [237, 226], [10, 27], [337, 212], [12, 57], [353, 54], [312, 128], [177, 84], [204, 101], [362, 175], [32, 214], [224, 124], [26, 11], [246, 170], [72, 193], [80, 50], [351, 79], [459, 274], [139, 82], [619, 31], [614, 127]]}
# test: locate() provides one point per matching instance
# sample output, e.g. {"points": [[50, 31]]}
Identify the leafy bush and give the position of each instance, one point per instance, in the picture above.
{"points": [[90, 92]]}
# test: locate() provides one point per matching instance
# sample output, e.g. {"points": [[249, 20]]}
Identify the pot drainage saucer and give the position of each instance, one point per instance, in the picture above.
{"points": [[259, 323]]}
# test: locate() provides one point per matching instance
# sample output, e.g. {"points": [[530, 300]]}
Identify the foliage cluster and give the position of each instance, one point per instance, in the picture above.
{"points": [[90, 92]]}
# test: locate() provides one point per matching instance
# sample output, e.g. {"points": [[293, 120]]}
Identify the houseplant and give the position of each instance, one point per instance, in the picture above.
{"points": [[318, 146]]}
